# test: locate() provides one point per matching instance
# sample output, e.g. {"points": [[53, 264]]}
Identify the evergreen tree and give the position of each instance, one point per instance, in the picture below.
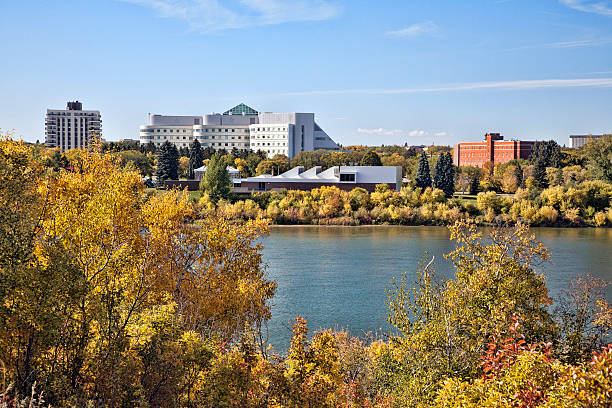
{"points": [[216, 181], [448, 185], [518, 173], [371, 158], [439, 176], [539, 173], [208, 152], [167, 163], [196, 157], [549, 152], [475, 183], [423, 176], [148, 148]]}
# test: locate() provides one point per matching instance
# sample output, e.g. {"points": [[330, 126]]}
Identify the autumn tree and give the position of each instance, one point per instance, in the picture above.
{"points": [[443, 326], [313, 369], [371, 158], [112, 295], [599, 156]]}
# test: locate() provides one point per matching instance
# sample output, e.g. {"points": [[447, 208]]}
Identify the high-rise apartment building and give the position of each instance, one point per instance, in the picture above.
{"points": [[73, 127], [493, 149], [241, 127]]}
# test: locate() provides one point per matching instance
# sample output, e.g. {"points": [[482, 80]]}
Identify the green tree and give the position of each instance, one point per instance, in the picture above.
{"points": [[518, 174], [423, 176], [599, 156], [549, 152], [139, 160], [446, 180], [371, 158], [167, 162], [444, 326], [539, 173], [216, 182], [196, 157]]}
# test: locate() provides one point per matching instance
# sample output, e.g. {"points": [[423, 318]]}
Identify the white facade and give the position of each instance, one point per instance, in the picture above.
{"points": [[232, 172], [345, 175], [73, 127], [577, 141], [242, 128]]}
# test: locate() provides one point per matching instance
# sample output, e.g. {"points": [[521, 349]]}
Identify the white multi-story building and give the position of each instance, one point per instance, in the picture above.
{"points": [[241, 127], [73, 127], [577, 141]]}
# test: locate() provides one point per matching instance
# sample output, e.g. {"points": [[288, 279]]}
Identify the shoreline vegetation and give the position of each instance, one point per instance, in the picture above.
{"points": [[586, 204], [109, 297]]}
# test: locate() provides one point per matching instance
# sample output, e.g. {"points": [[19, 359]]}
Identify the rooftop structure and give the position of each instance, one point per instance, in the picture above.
{"points": [[343, 177], [493, 149], [72, 127], [231, 171], [241, 127]]}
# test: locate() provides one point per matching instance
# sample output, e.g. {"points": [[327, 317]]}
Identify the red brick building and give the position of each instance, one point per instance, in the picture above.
{"points": [[493, 149]]}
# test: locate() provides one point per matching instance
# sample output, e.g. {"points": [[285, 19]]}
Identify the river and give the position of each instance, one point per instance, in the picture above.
{"points": [[336, 276]]}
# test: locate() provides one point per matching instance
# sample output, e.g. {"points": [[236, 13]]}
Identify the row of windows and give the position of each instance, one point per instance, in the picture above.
{"points": [[270, 130], [71, 114], [283, 151], [273, 144], [195, 130], [269, 137], [231, 130]]}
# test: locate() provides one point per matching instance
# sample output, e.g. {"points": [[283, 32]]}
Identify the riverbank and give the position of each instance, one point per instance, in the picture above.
{"points": [[587, 204]]}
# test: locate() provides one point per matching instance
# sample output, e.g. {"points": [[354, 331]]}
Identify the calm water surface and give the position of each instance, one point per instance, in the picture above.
{"points": [[336, 276]]}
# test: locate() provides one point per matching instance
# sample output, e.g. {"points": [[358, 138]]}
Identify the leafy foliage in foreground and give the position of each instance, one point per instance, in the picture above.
{"points": [[112, 297]]}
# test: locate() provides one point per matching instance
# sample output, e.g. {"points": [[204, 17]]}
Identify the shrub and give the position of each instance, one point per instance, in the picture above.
{"points": [[600, 218], [489, 200]]}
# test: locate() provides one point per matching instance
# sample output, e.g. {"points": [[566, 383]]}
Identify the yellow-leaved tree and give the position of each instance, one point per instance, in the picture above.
{"points": [[113, 282]]}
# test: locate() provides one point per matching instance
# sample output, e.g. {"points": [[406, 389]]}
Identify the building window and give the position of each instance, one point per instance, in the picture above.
{"points": [[261, 185], [347, 177]]}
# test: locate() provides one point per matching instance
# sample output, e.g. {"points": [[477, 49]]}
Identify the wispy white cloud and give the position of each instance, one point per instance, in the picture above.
{"points": [[381, 131], [603, 7], [440, 134], [593, 42], [470, 86], [214, 15], [414, 133], [415, 30]]}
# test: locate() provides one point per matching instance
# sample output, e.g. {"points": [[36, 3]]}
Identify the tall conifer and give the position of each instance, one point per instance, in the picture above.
{"points": [[167, 162], [423, 176], [196, 157]]}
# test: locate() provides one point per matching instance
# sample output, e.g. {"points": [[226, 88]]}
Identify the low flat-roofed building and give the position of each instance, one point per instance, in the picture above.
{"points": [[577, 141], [232, 172], [343, 177]]}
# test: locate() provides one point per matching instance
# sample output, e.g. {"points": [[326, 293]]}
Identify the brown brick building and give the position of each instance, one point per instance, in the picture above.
{"points": [[493, 149]]}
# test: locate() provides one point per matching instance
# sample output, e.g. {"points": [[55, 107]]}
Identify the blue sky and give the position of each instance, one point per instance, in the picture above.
{"points": [[372, 71]]}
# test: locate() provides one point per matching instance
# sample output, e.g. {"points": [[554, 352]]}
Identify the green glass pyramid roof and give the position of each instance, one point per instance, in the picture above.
{"points": [[241, 109]]}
